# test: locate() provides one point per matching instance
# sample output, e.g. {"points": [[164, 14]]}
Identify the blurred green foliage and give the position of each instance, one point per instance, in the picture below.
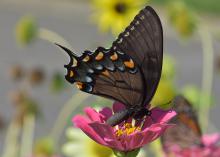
{"points": [[44, 147], [58, 83], [194, 94], [212, 6], [182, 18], [26, 30]]}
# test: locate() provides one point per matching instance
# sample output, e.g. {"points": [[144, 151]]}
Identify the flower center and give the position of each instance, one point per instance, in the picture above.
{"points": [[120, 8], [127, 129]]}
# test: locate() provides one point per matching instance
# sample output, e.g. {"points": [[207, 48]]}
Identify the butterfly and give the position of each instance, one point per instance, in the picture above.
{"points": [[187, 131], [129, 71]]}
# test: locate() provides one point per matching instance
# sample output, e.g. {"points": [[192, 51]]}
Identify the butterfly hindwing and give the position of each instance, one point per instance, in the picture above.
{"points": [[187, 131], [106, 73]]}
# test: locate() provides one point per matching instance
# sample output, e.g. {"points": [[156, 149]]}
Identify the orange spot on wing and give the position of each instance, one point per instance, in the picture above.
{"points": [[99, 56], [79, 85], [114, 57], [75, 62], [71, 73], [129, 64], [106, 73], [86, 59]]}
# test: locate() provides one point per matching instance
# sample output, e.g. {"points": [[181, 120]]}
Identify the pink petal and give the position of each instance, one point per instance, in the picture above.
{"points": [[153, 132], [209, 140], [117, 106], [82, 123], [106, 132], [114, 144], [159, 116], [106, 112], [134, 141], [92, 114]]}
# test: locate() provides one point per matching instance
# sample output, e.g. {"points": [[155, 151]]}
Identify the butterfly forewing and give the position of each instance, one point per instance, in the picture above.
{"points": [[143, 41], [186, 132]]}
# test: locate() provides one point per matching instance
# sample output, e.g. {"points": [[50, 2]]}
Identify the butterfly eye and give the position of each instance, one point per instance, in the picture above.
{"points": [[114, 57], [129, 64], [86, 59], [99, 56], [79, 85]]}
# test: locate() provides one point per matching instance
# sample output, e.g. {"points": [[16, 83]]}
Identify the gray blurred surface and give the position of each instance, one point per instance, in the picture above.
{"points": [[72, 21]]}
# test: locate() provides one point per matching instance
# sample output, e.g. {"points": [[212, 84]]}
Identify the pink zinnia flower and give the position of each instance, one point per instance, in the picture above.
{"points": [[124, 137], [209, 148]]}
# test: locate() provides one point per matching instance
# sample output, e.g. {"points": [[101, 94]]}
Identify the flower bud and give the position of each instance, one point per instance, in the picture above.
{"points": [[26, 30]]}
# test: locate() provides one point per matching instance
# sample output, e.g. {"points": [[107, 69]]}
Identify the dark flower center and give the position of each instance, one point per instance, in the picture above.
{"points": [[120, 8]]}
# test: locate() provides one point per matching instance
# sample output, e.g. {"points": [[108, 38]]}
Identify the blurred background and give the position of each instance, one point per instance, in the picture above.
{"points": [[37, 104]]}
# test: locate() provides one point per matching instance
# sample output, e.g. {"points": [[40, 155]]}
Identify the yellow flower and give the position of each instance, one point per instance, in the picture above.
{"points": [[115, 15], [182, 18]]}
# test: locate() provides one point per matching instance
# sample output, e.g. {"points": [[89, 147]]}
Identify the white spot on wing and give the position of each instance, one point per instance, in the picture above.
{"points": [[142, 17], [132, 28], [126, 34]]}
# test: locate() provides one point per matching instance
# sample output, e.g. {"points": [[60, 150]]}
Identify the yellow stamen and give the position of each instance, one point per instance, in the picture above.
{"points": [[127, 129]]}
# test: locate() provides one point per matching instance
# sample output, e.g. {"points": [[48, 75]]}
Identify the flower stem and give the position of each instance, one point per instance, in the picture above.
{"points": [[133, 153], [207, 76], [27, 135], [65, 113], [48, 35], [11, 140]]}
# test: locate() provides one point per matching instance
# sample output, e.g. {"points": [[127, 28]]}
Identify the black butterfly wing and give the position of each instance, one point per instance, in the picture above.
{"points": [[187, 132], [143, 41], [121, 86], [106, 73]]}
